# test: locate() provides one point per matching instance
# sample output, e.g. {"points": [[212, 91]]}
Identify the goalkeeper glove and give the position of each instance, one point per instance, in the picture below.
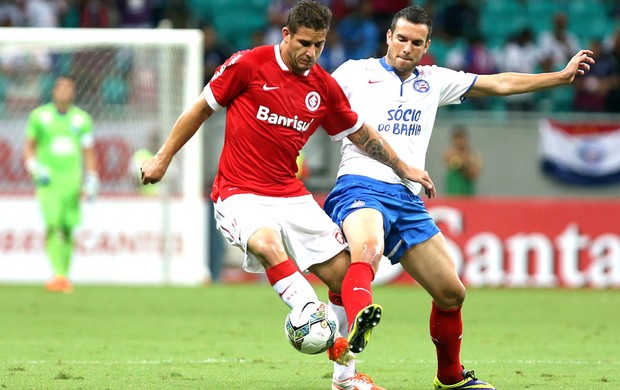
{"points": [[91, 185], [39, 173]]}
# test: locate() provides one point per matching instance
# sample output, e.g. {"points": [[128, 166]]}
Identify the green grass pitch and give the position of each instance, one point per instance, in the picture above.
{"points": [[231, 337]]}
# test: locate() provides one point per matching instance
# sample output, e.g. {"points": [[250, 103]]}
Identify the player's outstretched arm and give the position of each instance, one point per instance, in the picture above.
{"points": [[375, 146], [511, 83], [153, 169]]}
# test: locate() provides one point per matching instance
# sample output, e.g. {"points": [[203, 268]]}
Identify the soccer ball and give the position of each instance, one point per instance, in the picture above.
{"points": [[311, 328]]}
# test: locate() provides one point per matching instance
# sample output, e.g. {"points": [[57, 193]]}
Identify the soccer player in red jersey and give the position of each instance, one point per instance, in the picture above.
{"points": [[277, 97]]}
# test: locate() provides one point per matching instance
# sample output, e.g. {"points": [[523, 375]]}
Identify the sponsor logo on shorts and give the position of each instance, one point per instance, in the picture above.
{"points": [[357, 204]]}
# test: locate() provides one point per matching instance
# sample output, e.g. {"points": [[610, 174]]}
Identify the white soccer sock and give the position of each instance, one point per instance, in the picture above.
{"points": [[343, 325], [295, 290], [342, 372]]}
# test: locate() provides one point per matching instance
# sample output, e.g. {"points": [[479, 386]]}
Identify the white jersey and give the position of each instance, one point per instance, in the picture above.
{"points": [[402, 111]]}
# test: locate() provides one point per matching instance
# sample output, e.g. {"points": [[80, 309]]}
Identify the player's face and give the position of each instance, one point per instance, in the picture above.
{"points": [[406, 46], [300, 51], [64, 91]]}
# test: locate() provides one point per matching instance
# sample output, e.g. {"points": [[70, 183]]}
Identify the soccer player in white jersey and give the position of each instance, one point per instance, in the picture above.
{"points": [[379, 212], [276, 97]]}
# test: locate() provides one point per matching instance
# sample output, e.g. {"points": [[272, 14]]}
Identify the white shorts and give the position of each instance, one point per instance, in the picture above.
{"points": [[309, 235]]}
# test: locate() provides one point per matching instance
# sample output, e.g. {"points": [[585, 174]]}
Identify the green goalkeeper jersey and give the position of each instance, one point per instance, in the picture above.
{"points": [[60, 139]]}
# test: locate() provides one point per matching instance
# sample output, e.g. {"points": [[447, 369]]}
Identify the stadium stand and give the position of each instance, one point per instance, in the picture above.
{"points": [[241, 24], [500, 19], [587, 19]]}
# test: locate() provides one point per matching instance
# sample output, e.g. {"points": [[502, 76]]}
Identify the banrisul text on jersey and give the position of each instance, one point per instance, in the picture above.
{"points": [[265, 114]]}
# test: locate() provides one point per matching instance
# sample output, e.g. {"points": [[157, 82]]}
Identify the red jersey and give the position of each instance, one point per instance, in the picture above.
{"points": [[270, 114]]}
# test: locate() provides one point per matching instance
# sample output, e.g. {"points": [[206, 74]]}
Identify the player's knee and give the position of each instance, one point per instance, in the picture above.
{"points": [[451, 297], [268, 249], [369, 252]]}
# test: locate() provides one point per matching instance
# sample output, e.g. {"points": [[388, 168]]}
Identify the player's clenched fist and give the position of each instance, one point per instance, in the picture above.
{"points": [[152, 170]]}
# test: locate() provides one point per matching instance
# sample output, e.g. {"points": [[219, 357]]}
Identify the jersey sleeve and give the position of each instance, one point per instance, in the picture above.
{"points": [[340, 120], [229, 80], [455, 84]]}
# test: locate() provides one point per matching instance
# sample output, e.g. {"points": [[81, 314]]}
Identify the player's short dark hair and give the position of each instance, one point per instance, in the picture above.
{"points": [[416, 15], [309, 14]]}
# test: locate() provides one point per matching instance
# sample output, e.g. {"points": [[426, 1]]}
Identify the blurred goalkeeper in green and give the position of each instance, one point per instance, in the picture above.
{"points": [[60, 158]]}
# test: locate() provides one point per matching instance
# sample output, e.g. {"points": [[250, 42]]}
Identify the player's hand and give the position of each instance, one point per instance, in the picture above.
{"points": [[421, 176], [39, 173], [152, 170], [579, 64], [90, 187]]}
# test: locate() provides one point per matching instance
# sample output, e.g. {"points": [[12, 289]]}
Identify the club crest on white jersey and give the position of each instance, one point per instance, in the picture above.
{"points": [[421, 86]]}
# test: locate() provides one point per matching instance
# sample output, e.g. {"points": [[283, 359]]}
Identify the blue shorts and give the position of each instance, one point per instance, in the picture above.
{"points": [[405, 220]]}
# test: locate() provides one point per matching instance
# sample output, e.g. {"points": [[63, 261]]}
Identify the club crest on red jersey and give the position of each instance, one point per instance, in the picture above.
{"points": [[313, 101]]}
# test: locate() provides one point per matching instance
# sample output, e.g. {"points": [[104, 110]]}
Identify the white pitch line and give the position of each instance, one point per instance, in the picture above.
{"points": [[247, 361]]}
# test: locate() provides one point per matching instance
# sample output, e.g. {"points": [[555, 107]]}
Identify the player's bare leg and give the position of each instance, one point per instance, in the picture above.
{"points": [[283, 275], [345, 375], [430, 264], [364, 231]]}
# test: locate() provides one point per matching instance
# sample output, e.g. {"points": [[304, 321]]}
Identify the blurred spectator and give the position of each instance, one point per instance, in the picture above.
{"points": [[114, 88], [277, 15], [613, 97], [70, 17], [463, 164], [476, 58], [257, 37], [43, 13], [428, 59], [24, 68], [384, 11], [135, 13], [520, 55], [359, 33], [459, 19], [333, 52], [11, 14], [613, 7], [176, 11], [214, 54], [593, 88], [558, 45], [94, 13], [342, 8]]}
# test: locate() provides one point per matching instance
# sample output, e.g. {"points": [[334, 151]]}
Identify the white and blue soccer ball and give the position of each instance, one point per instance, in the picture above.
{"points": [[311, 328]]}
